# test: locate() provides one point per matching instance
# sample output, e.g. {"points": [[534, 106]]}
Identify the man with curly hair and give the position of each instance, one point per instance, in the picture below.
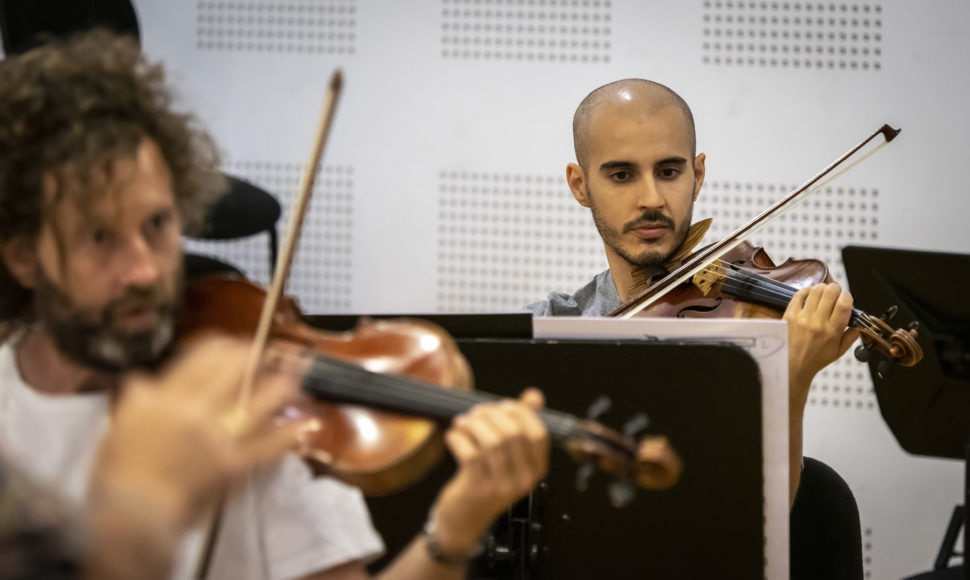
{"points": [[98, 179]]}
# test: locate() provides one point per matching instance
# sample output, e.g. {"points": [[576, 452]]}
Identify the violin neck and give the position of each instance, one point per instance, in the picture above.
{"points": [[760, 289], [335, 381]]}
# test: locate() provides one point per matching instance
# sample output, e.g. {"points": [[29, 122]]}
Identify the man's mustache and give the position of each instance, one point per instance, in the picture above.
{"points": [[137, 299], [649, 218]]}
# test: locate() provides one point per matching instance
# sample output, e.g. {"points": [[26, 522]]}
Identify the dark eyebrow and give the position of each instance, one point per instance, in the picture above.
{"points": [[672, 161], [606, 166], [609, 165]]}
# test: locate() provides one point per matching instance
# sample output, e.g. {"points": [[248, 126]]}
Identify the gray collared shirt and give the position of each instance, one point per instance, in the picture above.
{"points": [[597, 298]]}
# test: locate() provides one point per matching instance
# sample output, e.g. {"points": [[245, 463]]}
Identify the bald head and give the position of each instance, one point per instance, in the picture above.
{"points": [[638, 96]]}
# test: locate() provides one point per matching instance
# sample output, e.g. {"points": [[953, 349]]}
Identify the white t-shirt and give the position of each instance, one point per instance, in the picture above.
{"points": [[279, 523]]}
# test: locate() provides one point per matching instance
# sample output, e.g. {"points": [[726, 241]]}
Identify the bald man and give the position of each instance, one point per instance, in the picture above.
{"points": [[638, 172]]}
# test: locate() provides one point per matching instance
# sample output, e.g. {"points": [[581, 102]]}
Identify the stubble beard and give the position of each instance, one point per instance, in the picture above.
{"points": [[92, 340], [647, 258]]}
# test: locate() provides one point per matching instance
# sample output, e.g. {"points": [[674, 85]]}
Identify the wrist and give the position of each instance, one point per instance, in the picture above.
{"points": [[452, 548]]}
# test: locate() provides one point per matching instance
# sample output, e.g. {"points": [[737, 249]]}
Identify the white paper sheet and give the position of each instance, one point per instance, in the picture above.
{"points": [[767, 343]]}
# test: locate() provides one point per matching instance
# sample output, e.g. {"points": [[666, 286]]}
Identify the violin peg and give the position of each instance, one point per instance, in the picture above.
{"points": [[600, 406], [889, 313], [621, 492], [862, 353], [583, 476], [884, 369], [913, 326], [636, 424]]}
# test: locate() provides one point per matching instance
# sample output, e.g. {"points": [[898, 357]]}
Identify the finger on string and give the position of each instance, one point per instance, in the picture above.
{"points": [[842, 310], [828, 300], [507, 418], [797, 303], [466, 453], [488, 437], [536, 438], [814, 297], [533, 397]]}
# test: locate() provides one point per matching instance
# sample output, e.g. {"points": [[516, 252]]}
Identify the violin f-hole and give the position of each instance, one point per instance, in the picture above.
{"points": [[715, 302]]}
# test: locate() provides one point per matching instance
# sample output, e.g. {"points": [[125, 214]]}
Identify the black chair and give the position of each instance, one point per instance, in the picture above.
{"points": [[25, 25], [245, 210], [826, 536]]}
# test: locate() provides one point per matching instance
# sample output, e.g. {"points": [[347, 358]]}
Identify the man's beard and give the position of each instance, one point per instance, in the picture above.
{"points": [[93, 340], [647, 258]]}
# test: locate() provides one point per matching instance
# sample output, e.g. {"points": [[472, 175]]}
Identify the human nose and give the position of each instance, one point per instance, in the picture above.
{"points": [[648, 197], [140, 266]]}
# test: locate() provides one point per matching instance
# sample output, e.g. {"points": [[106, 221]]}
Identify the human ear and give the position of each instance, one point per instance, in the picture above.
{"points": [[699, 172], [576, 179], [20, 258]]}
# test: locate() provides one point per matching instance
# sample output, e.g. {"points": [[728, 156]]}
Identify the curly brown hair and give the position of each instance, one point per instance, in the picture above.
{"points": [[69, 108]]}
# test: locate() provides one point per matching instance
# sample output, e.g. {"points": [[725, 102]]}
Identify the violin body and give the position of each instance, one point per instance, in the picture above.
{"points": [[377, 451], [692, 300], [381, 389]]}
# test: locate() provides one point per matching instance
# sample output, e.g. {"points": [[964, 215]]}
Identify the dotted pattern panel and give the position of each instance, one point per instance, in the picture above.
{"points": [[867, 551], [564, 31], [818, 228], [505, 240], [279, 26], [321, 277], [807, 35]]}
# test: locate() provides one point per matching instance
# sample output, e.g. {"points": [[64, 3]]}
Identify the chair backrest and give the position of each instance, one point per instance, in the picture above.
{"points": [[826, 536], [25, 25]]}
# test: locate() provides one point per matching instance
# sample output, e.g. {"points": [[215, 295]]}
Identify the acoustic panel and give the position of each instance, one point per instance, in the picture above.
{"points": [[284, 26], [321, 277], [810, 35], [564, 31], [507, 239]]}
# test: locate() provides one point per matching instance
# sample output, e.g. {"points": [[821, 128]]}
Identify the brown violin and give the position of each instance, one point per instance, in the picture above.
{"points": [[734, 279], [381, 389]]}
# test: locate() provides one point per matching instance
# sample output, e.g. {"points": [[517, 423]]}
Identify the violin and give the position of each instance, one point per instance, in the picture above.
{"points": [[734, 279], [380, 389]]}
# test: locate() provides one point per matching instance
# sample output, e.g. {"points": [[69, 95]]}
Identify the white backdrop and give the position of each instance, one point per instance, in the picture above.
{"points": [[444, 187]]}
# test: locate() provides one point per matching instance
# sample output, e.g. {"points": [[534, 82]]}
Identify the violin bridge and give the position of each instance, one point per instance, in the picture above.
{"points": [[706, 280]]}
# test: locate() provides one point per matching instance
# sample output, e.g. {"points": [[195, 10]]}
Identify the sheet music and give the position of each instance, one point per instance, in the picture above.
{"points": [[767, 343]]}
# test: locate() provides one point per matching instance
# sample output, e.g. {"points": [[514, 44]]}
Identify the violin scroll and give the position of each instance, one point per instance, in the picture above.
{"points": [[898, 344], [651, 463]]}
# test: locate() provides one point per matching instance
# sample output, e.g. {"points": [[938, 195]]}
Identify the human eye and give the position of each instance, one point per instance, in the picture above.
{"points": [[621, 176], [159, 220], [668, 173], [98, 237]]}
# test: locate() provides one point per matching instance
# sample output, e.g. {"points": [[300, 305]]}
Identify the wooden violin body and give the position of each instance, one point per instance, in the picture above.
{"points": [[379, 452], [707, 300], [381, 389]]}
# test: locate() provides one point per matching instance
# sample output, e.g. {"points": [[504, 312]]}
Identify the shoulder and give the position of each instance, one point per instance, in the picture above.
{"points": [[598, 297]]}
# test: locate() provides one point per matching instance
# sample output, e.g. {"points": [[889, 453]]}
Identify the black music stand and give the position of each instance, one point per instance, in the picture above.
{"points": [[710, 525], [505, 325], [927, 407]]}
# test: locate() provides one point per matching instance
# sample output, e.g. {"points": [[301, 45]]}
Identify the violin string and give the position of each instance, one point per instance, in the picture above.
{"points": [[857, 318], [744, 282], [354, 383]]}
